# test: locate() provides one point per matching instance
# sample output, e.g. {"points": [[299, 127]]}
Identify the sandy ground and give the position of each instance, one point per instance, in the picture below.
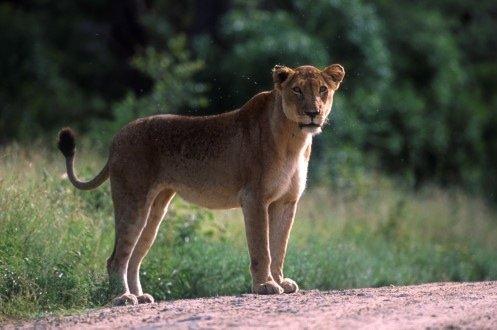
{"points": [[439, 305]]}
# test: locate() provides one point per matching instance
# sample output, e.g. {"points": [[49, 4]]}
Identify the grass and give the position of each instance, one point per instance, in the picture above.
{"points": [[54, 239]]}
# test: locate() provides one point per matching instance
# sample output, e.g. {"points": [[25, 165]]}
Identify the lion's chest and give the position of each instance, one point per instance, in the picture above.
{"points": [[288, 179]]}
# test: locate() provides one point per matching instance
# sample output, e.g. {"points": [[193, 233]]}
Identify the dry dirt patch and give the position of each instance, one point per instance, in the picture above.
{"points": [[439, 305]]}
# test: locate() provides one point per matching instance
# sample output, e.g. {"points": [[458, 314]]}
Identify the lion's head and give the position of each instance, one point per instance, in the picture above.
{"points": [[307, 93]]}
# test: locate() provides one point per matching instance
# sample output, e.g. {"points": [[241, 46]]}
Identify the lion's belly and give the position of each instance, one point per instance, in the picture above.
{"points": [[210, 198]]}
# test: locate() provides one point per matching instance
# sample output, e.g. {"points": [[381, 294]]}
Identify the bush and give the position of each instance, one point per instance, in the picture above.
{"points": [[174, 88]]}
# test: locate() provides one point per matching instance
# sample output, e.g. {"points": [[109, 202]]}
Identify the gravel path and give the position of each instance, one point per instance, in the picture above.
{"points": [[439, 305]]}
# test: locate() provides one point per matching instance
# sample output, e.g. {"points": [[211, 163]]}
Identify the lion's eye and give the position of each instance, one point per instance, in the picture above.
{"points": [[297, 90], [323, 89]]}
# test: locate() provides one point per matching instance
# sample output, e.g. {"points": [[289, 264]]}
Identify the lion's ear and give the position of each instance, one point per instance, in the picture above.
{"points": [[280, 74], [336, 72]]}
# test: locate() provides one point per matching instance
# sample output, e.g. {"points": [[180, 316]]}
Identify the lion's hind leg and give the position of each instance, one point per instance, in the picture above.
{"points": [[147, 238], [130, 211]]}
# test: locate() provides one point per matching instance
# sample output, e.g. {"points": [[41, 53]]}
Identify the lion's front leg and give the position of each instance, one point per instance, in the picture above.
{"points": [[281, 215], [256, 227]]}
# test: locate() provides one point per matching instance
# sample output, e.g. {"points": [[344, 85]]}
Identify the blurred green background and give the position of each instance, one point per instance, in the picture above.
{"points": [[403, 182], [419, 99]]}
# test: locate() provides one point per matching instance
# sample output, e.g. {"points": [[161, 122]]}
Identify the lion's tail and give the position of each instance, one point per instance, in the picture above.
{"points": [[67, 145]]}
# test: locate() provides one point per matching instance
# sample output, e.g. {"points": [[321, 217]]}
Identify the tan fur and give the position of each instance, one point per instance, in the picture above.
{"points": [[255, 158]]}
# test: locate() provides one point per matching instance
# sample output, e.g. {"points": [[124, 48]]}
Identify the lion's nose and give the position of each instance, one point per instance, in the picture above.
{"points": [[312, 113]]}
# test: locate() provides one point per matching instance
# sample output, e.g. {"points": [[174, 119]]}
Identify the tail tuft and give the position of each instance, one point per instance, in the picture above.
{"points": [[67, 142]]}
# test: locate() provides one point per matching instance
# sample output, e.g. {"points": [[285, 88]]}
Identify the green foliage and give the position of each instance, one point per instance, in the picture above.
{"points": [[54, 239], [418, 100], [174, 88], [428, 123]]}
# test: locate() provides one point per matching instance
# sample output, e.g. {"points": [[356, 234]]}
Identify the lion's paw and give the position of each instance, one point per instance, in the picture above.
{"points": [[270, 287], [125, 299], [289, 285], [145, 299]]}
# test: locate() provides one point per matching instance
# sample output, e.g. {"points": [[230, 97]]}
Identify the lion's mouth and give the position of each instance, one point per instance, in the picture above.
{"points": [[310, 125]]}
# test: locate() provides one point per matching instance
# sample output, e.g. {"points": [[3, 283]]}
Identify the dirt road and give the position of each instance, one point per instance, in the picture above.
{"points": [[440, 305]]}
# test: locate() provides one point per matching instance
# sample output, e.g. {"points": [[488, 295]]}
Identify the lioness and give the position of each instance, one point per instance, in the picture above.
{"points": [[255, 158]]}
